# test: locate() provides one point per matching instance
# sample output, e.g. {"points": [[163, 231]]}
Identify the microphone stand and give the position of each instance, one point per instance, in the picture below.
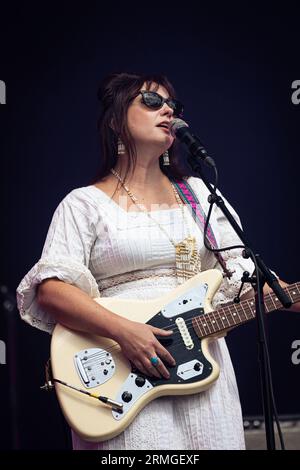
{"points": [[265, 276]]}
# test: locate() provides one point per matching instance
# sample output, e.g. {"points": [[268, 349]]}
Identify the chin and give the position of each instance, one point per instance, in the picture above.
{"points": [[168, 141]]}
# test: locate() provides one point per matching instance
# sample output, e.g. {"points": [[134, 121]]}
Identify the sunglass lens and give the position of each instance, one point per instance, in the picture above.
{"points": [[177, 108], [152, 100], [155, 101]]}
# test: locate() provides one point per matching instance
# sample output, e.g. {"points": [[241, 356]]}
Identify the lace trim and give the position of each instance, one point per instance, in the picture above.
{"points": [[67, 270], [230, 286], [135, 276]]}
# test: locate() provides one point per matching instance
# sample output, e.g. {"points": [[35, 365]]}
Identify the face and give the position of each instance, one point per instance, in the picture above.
{"points": [[143, 122]]}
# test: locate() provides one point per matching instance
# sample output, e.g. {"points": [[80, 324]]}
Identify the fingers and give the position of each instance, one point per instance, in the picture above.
{"points": [[140, 367], [161, 369], [146, 345], [160, 332], [147, 369], [164, 354]]}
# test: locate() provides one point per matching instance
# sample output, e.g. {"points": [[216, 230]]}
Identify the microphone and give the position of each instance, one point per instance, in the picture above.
{"points": [[180, 130]]}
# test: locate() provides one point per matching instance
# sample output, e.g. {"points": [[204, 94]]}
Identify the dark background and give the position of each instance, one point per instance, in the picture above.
{"points": [[233, 68]]}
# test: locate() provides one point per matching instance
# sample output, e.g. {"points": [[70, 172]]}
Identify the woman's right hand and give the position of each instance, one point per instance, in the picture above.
{"points": [[139, 344]]}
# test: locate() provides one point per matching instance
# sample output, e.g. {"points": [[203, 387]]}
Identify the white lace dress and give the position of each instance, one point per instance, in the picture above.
{"points": [[98, 246]]}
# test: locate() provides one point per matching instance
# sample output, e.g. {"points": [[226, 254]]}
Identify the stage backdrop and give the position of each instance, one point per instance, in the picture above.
{"points": [[238, 75]]}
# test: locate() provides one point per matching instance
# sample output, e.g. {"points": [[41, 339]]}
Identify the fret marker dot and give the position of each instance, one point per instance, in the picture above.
{"points": [[213, 321]]}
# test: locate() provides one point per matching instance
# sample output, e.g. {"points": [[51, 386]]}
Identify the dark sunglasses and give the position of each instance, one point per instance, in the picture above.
{"points": [[155, 101]]}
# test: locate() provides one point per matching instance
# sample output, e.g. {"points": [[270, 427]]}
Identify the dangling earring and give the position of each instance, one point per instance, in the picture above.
{"points": [[121, 147], [166, 158]]}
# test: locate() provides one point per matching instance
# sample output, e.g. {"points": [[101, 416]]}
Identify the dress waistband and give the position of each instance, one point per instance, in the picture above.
{"points": [[135, 276]]}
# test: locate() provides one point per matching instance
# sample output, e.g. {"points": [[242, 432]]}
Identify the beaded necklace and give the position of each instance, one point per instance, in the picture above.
{"points": [[187, 256]]}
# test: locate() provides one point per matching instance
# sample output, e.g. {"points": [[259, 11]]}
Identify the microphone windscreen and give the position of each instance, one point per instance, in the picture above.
{"points": [[177, 124]]}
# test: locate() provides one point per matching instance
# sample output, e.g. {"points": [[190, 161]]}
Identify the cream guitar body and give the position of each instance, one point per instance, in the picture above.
{"points": [[97, 364]]}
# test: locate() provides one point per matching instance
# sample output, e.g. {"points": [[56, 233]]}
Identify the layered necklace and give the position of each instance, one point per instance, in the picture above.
{"points": [[187, 256]]}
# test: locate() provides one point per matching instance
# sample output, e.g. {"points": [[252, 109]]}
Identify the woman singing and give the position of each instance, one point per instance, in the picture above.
{"points": [[118, 238]]}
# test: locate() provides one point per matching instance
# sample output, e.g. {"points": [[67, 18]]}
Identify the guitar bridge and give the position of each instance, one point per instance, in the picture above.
{"points": [[94, 366]]}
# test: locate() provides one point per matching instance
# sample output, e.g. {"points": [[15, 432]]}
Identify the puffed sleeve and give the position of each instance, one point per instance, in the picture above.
{"points": [[65, 256]]}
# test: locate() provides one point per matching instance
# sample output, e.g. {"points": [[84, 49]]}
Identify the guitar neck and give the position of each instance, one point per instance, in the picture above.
{"points": [[234, 315]]}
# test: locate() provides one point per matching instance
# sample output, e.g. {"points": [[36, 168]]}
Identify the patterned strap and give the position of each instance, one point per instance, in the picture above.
{"points": [[190, 198]]}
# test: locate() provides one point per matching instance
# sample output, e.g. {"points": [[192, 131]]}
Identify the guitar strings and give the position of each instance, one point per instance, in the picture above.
{"points": [[211, 316], [103, 355], [207, 315], [239, 310], [100, 356], [176, 332]]}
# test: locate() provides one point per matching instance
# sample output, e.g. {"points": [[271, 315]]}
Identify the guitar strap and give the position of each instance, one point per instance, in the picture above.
{"points": [[190, 198]]}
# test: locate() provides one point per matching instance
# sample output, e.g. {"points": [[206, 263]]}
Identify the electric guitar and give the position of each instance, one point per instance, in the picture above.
{"points": [[100, 392]]}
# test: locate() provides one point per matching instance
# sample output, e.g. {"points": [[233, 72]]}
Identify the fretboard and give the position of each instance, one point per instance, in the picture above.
{"points": [[235, 314]]}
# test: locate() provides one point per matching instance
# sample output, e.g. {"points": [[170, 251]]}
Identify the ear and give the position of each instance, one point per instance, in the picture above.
{"points": [[112, 125]]}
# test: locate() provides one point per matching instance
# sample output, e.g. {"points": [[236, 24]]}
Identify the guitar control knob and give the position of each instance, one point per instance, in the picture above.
{"points": [[140, 381], [126, 396], [197, 366]]}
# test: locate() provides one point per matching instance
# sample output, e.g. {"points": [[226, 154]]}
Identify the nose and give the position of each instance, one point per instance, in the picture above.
{"points": [[166, 110]]}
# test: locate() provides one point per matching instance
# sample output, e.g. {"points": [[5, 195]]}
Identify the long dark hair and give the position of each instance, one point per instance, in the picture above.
{"points": [[115, 93]]}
